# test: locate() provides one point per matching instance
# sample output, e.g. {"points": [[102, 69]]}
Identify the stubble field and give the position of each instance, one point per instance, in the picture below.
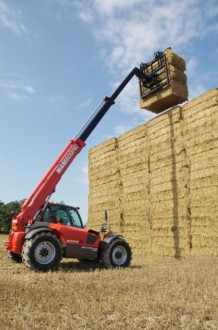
{"points": [[164, 294]]}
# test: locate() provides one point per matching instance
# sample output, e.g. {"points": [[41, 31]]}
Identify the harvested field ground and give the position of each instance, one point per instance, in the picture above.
{"points": [[165, 294]]}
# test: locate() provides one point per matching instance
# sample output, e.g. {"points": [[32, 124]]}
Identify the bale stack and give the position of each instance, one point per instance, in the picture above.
{"points": [[172, 94], [104, 182], [167, 184], [160, 182], [133, 159], [201, 139]]}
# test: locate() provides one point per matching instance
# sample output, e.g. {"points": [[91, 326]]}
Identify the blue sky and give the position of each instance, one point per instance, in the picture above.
{"points": [[59, 58]]}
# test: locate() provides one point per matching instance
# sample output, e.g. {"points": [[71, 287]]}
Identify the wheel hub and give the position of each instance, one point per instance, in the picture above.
{"points": [[44, 252], [119, 255]]}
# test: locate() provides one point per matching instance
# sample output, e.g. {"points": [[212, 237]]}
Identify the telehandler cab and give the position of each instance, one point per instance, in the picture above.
{"points": [[43, 233]]}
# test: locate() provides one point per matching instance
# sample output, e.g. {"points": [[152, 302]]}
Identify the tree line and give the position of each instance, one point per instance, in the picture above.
{"points": [[7, 212]]}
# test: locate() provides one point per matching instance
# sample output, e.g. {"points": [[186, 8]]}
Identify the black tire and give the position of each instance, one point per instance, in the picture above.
{"points": [[14, 257], [117, 254], [42, 253]]}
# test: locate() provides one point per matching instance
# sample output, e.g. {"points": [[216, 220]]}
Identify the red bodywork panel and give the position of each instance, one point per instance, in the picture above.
{"points": [[15, 242], [67, 235]]}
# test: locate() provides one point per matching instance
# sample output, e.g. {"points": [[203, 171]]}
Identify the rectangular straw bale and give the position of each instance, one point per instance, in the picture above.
{"points": [[132, 135], [205, 195], [108, 145], [140, 247], [128, 170], [165, 98], [168, 143], [106, 172], [209, 173], [105, 191], [211, 135], [208, 113], [204, 182], [129, 160], [102, 160], [96, 168], [133, 222], [199, 103], [137, 190], [133, 147], [166, 224], [203, 229], [135, 207], [207, 240], [135, 195], [97, 197], [168, 164], [164, 119], [205, 160], [176, 92], [165, 151], [169, 194], [101, 204], [207, 213], [167, 208], [177, 74], [139, 179], [110, 181], [103, 153], [175, 60], [209, 123], [160, 176], [202, 148]]}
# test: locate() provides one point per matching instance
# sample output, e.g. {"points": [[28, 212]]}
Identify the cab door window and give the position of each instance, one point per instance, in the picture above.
{"points": [[75, 218], [62, 216]]}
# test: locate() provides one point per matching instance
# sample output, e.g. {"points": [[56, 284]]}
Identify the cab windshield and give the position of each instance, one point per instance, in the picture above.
{"points": [[67, 215]]}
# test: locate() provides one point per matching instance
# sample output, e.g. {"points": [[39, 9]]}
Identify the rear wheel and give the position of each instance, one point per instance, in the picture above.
{"points": [[42, 253], [14, 257], [117, 254]]}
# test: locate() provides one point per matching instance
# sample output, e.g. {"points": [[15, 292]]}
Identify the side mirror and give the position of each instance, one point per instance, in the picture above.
{"points": [[105, 216], [104, 225]]}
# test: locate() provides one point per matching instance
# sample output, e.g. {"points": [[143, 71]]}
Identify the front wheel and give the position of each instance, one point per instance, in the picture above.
{"points": [[117, 254], [42, 252]]}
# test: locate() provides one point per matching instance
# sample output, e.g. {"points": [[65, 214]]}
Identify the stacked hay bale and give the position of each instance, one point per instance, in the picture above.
{"points": [[160, 182], [104, 178], [201, 140], [172, 94], [167, 180], [133, 159]]}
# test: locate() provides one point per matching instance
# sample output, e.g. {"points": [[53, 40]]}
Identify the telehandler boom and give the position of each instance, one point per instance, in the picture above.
{"points": [[42, 233]]}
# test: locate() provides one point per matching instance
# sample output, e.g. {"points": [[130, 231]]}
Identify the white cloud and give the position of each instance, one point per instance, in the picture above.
{"points": [[17, 88], [130, 31], [18, 97], [11, 19], [108, 7], [29, 89]]}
